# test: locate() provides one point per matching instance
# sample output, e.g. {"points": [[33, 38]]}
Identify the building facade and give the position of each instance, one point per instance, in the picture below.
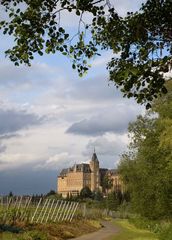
{"points": [[72, 180]]}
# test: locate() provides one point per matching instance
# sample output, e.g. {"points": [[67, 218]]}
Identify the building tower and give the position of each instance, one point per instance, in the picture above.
{"points": [[95, 173]]}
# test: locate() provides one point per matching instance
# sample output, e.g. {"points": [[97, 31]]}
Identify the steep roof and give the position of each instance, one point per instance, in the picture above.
{"points": [[94, 157], [64, 172], [83, 167]]}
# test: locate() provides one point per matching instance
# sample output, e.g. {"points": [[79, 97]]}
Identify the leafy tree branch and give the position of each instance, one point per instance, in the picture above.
{"points": [[141, 41]]}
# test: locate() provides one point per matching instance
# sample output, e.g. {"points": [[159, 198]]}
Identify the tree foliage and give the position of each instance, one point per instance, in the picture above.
{"points": [[97, 195], [145, 45], [86, 192], [141, 41], [107, 183], [37, 28], [113, 200], [50, 193], [147, 171]]}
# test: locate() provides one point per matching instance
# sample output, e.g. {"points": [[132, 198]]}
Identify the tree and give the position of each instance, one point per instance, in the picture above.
{"points": [[146, 169], [10, 194], [107, 183], [37, 28], [50, 193], [142, 40], [112, 201], [85, 192], [97, 195]]}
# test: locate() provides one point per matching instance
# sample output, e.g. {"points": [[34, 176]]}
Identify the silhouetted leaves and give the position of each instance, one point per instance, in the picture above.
{"points": [[141, 41]]}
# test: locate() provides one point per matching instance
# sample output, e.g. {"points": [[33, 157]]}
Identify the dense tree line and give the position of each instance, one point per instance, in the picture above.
{"points": [[110, 201], [147, 168]]}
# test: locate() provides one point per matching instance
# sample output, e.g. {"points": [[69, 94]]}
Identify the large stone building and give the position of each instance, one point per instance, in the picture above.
{"points": [[73, 179]]}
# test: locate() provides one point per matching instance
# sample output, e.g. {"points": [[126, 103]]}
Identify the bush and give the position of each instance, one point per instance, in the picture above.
{"points": [[124, 211], [162, 229], [86, 193], [144, 223], [10, 228], [33, 235], [166, 232]]}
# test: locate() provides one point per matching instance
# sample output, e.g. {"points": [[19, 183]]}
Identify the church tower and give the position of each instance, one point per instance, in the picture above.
{"points": [[95, 173]]}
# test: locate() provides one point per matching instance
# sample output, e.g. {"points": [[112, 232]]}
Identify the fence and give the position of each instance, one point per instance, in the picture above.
{"points": [[46, 210], [36, 211]]}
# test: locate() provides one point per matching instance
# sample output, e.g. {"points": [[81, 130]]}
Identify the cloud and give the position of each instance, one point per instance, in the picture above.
{"points": [[24, 180], [108, 120], [2, 148], [58, 161], [124, 6], [9, 135], [25, 77], [103, 60], [14, 160], [2, 162], [104, 146], [94, 88], [13, 120], [121, 7], [108, 149]]}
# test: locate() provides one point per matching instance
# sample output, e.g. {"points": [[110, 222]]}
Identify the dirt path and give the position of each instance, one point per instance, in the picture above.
{"points": [[107, 231]]}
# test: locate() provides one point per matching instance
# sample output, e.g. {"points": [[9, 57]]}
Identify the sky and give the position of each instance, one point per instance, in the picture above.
{"points": [[51, 119]]}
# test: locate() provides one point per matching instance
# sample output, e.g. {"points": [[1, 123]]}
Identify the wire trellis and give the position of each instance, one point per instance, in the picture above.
{"points": [[40, 211]]}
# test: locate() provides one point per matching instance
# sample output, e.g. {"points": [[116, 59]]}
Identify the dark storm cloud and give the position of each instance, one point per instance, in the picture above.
{"points": [[109, 120], [13, 120], [26, 181]]}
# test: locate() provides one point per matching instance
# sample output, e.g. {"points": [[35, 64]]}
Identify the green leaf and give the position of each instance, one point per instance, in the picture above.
{"points": [[148, 106], [78, 12]]}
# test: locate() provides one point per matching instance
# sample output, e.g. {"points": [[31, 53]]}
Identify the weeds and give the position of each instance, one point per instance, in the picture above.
{"points": [[163, 229]]}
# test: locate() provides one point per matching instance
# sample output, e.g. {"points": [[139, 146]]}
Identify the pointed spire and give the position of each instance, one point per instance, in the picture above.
{"points": [[94, 157]]}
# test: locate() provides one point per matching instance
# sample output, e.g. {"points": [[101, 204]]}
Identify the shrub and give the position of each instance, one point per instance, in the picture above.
{"points": [[10, 228], [162, 229], [33, 235], [166, 232]]}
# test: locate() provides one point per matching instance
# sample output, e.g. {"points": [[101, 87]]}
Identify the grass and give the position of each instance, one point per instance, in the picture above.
{"points": [[7, 236], [128, 231], [95, 223], [53, 231]]}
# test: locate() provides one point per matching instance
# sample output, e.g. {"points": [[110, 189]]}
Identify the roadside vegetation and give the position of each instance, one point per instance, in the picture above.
{"points": [[54, 231], [129, 232], [146, 168]]}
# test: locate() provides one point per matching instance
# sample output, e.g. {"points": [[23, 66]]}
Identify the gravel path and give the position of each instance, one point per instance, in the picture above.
{"points": [[106, 232]]}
